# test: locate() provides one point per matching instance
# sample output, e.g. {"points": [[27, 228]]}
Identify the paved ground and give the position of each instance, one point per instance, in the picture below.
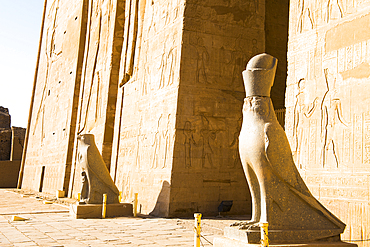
{"points": [[51, 225]]}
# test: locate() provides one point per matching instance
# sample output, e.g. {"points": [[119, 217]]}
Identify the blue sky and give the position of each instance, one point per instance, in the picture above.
{"points": [[20, 23]]}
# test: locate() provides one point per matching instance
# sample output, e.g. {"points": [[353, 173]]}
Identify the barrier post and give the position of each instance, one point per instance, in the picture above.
{"points": [[135, 205], [104, 209], [264, 234], [197, 228]]}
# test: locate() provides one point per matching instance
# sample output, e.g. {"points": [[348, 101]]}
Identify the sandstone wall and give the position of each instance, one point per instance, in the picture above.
{"points": [[146, 104], [99, 81], [18, 135], [53, 119], [9, 171], [218, 40], [328, 110]]}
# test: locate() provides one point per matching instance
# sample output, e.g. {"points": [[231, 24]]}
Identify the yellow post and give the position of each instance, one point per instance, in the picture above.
{"points": [[120, 196], [104, 209], [264, 234], [135, 205], [79, 197], [197, 217]]}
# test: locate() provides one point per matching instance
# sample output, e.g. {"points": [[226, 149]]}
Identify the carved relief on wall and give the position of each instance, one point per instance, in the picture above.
{"points": [[201, 146], [208, 138], [93, 68], [302, 114], [334, 10], [168, 64], [331, 113], [201, 59], [239, 59], [234, 146], [305, 17], [52, 52], [189, 143]]}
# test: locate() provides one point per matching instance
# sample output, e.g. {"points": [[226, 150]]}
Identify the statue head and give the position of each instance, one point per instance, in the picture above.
{"points": [[86, 138], [259, 75]]}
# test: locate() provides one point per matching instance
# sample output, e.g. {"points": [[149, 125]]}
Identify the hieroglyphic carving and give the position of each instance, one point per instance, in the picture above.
{"points": [[334, 10], [239, 59], [90, 101], [331, 109], [312, 142], [188, 143], [349, 58], [301, 113], [202, 58], [166, 137], [146, 80], [305, 20], [367, 138], [235, 146], [357, 138], [208, 137], [139, 144], [156, 145], [167, 66]]}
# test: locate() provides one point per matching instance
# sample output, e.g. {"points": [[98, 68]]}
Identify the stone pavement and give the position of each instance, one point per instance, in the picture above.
{"points": [[51, 225]]}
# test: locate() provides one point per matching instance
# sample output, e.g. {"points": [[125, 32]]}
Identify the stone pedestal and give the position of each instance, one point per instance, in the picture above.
{"points": [[88, 211], [226, 242], [242, 238]]}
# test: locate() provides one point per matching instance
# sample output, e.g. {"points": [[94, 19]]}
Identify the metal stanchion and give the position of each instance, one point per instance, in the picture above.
{"points": [[135, 205], [197, 229], [264, 234], [104, 209]]}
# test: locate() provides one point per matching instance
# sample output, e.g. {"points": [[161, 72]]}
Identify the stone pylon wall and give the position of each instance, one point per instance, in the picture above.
{"points": [[142, 156], [99, 80], [52, 126], [328, 110], [179, 114], [159, 85]]}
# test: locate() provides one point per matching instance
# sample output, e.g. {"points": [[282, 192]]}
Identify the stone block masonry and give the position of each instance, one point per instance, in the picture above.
{"points": [[159, 85], [11, 147]]}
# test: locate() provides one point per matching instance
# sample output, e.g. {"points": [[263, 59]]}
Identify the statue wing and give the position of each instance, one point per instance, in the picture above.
{"points": [[279, 154], [97, 166]]}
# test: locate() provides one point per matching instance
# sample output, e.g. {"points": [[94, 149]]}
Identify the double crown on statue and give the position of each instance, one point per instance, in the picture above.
{"points": [[261, 70]]}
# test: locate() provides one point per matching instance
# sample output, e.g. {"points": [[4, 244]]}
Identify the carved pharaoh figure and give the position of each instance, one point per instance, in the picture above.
{"points": [[280, 197], [96, 179]]}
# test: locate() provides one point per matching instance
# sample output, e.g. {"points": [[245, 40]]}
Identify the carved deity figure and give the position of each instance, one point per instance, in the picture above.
{"points": [[96, 179], [188, 143], [301, 114], [331, 110], [280, 197]]}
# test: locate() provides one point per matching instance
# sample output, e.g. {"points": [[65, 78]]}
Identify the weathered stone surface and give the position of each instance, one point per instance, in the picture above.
{"points": [[328, 105], [9, 171], [5, 143], [18, 135], [4, 118]]}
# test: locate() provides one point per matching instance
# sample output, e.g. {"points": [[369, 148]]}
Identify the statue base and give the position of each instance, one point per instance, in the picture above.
{"points": [[226, 242], [242, 238], [89, 211]]}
